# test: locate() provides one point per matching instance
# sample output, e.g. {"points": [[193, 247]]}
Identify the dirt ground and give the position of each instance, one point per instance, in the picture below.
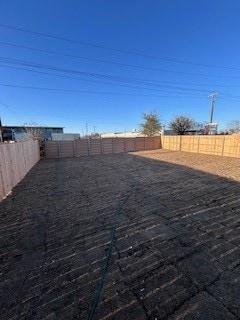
{"points": [[145, 235]]}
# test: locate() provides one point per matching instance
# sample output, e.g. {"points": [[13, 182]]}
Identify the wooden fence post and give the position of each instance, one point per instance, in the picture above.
{"points": [[101, 142], [74, 148], [223, 146], [89, 146], [59, 149], [16, 160]]}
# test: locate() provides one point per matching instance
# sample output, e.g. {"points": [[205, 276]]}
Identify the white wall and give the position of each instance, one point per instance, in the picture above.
{"points": [[65, 136]]}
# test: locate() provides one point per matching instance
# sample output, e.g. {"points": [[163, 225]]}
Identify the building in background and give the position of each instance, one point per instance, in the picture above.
{"points": [[24, 133], [210, 128], [133, 134], [65, 136]]}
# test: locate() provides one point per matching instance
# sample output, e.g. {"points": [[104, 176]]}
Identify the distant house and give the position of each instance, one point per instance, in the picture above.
{"points": [[22, 133], [167, 132], [133, 134], [65, 136]]}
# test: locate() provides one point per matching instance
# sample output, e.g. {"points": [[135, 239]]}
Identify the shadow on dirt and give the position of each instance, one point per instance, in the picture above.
{"points": [[176, 253]]}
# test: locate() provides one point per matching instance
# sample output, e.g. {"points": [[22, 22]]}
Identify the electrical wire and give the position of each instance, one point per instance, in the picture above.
{"points": [[16, 115], [113, 49], [159, 81], [109, 83], [106, 77], [36, 65], [92, 92], [142, 88], [7, 106], [91, 59]]}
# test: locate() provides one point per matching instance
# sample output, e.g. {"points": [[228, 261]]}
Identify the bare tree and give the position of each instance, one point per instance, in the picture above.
{"points": [[151, 124], [33, 130], [234, 126], [181, 124]]}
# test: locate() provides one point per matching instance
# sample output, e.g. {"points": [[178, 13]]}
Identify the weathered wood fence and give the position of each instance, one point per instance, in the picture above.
{"points": [[16, 159], [85, 147], [228, 146]]}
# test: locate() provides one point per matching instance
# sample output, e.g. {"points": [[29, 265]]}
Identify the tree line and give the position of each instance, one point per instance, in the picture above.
{"points": [[180, 125]]}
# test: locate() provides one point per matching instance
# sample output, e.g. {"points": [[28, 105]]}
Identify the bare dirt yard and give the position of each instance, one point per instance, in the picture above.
{"points": [[145, 235]]}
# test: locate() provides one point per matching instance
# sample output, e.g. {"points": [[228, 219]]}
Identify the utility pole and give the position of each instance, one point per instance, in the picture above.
{"points": [[94, 129], [86, 129], [212, 97]]}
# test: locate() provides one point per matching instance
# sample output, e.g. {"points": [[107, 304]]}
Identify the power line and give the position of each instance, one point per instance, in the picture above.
{"points": [[68, 77], [118, 93], [91, 59], [96, 92], [63, 117], [230, 100], [88, 74], [29, 63], [231, 95], [81, 57], [94, 75], [16, 115], [113, 49], [128, 86], [109, 83]]}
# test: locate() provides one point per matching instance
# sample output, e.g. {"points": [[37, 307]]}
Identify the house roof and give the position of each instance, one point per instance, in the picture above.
{"points": [[33, 127]]}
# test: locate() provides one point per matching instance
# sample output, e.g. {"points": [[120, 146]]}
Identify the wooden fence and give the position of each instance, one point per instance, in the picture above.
{"points": [[85, 147], [16, 159], [228, 146]]}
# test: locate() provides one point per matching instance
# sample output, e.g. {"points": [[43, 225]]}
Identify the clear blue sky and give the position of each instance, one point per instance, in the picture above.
{"points": [[112, 94]]}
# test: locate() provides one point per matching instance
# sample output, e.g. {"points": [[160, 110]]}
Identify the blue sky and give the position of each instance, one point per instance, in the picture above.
{"points": [[163, 55]]}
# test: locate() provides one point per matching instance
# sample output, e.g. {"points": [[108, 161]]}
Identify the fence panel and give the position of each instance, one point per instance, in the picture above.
{"points": [[66, 149], [190, 144], [51, 149], [119, 145], [157, 143], [139, 144], [85, 147], [149, 143], [129, 144], [2, 185], [81, 147], [95, 146], [107, 145], [232, 146], [5, 168], [16, 159], [166, 142], [175, 143], [214, 145]]}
